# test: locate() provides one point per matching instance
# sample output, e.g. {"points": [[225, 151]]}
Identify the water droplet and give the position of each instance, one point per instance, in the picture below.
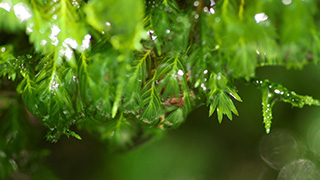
{"points": [[6, 5], [206, 9], [54, 16], [43, 42], [3, 49], [22, 11], [108, 24], [65, 112], [180, 72], [196, 3], [13, 164], [260, 17], [196, 16], [212, 2], [258, 52], [277, 91], [268, 129], [75, 4], [168, 31], [217, 19], [85, 42], [153, 37], [70, 42], [286, 2], [301, 169], [212, 11], [2, 154], [203, 86], [75, 78], [54, 86], [205, 71], [279, 148], [30, 27], [67, 52], [53, 36]]}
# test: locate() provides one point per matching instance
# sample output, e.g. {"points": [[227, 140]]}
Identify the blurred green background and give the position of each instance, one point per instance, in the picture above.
{"points": [[203, 149]]}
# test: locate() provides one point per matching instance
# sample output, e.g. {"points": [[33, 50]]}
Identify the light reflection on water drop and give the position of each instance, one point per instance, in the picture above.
{"points": [[212, 11], [30, 27], [55, 30], [180, 72], [154, 37], [43, 42], [205, 9], [212, 2], [196, 3], [6, 5], [85, 42], [301, 169], [2, 154], [22, 12], [279, 148], [286, 2], [260, 17]]}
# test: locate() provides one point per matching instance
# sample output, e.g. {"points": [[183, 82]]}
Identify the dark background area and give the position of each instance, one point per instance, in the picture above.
{"points": [[203, 149]]}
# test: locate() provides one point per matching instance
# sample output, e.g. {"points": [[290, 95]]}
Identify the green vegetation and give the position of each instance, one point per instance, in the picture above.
{"points": [[127, 70]]}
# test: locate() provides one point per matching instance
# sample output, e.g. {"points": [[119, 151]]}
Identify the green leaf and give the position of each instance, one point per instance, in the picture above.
{"points": [[221, 101], [13, 15], [56, 27], [152, 102], [8, 62], [122, 22], [273, 92]]}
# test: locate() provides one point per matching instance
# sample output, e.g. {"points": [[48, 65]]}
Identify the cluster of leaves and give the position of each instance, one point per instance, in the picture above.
{"points": [[127, 69]]}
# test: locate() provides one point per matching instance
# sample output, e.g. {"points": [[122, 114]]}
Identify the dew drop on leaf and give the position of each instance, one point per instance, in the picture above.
{"points": [[212, 11], [6, 6], [22, 12], [205, 9]]}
